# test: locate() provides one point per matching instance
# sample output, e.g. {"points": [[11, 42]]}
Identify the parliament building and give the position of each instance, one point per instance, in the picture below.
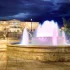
{"points": [[11, 27]]}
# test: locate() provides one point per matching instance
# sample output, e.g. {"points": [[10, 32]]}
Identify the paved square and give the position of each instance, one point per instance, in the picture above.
{"points": [[7, 63]]}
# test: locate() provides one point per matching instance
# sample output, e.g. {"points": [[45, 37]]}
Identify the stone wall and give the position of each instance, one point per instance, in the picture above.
{"points": [[41, 53]]}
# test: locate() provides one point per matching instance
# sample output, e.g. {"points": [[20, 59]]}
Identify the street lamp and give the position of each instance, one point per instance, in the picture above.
{"points": [[62, 28], [31, 25]]}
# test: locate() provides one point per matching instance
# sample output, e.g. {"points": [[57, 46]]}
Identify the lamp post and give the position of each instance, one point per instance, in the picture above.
{"points": [[31, 25], [62, 28]]}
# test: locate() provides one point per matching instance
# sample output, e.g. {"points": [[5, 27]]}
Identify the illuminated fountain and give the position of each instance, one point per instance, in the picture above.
{"points": [[63, 35], [48, 44], [48, 34], [25, 38]]}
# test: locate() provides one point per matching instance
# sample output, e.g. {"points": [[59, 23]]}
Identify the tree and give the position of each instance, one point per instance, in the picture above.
{"points": [[67, 27]]}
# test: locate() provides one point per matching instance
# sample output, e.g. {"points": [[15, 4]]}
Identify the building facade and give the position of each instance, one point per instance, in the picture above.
{"points": [[16, 25], [8, 27]]}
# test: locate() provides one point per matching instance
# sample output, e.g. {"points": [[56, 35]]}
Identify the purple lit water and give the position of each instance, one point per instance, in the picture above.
{"points": [[63, 35], [46, 34]]}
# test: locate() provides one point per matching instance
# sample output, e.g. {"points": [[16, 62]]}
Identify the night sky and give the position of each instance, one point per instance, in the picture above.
{"points": [[38, 10]]}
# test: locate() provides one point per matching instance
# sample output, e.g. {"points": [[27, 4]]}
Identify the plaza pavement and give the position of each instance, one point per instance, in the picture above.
{"points": [[7, 63]]}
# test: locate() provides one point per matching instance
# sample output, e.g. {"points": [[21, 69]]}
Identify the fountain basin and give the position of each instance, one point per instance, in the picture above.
{"points": [[39, 52]]}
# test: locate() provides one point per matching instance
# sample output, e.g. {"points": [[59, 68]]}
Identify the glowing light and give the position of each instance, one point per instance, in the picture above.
{"points": [[25, 38], [46, 34]]}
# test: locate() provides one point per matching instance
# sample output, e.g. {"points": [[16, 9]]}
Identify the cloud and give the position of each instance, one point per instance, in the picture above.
{"points": [[33, 8], [46, 0], [42, 6], [62, 1], [58, 1], [24, 15], [64, 15], [21, 15]]}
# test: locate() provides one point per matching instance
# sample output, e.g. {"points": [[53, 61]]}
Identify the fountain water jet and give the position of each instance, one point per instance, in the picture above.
{"points": [[48, 34], [39, 29], [25, 38], [63, 35]]}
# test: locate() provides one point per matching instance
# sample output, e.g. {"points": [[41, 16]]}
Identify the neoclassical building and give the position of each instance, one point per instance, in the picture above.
{"points": [[17, 26]]}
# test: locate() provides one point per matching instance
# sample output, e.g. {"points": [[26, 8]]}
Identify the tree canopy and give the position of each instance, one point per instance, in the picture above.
{"points": [[67, 27]]}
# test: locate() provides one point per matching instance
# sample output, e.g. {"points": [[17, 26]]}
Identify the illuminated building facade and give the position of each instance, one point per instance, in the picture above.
{"points": [[16, 25], [8, 27]]}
